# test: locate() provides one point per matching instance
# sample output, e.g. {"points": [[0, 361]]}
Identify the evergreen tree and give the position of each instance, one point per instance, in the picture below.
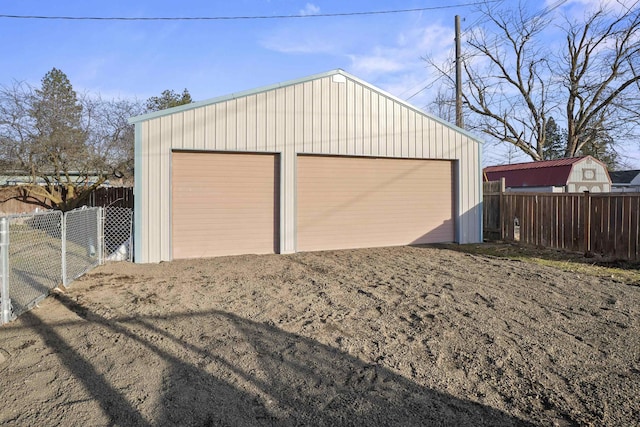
{"points": [[168, 99], [600, 145], [59, 142], [556, 141]]}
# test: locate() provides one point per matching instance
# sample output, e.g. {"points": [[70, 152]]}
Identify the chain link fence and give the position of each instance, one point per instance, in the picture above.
{"points": [[40, 251], [34, 257]]}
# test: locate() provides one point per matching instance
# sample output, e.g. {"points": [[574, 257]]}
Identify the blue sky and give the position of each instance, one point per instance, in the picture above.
{"points": [[213, 58]]}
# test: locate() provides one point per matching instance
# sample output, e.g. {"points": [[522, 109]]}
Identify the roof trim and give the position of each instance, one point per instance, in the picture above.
{"points": [[236, 95], [541, 164]]}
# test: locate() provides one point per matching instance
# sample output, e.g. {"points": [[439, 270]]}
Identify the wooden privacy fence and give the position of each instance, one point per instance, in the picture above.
{"points": [[14, 199], [111, 196], [604, 223]]}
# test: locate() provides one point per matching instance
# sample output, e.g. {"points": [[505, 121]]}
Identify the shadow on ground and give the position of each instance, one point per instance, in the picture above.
{"points": [[253, 373]]}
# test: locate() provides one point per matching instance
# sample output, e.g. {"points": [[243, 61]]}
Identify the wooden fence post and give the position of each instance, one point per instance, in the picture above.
{"points": [[587, 224]]}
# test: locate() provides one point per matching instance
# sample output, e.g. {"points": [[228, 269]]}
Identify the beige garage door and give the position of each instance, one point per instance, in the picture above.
{"points": [[347, 202], [224, 204]]}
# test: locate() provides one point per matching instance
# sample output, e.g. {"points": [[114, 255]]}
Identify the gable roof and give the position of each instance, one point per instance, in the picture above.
{"points": [[534, 174], [623, 177], [194, 105]]}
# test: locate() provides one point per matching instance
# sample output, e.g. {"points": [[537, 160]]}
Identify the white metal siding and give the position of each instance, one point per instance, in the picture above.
{"points": [[316, 116]]}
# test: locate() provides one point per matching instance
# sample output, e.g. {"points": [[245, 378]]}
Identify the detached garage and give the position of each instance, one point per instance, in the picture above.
{"points": [[324, 162]]}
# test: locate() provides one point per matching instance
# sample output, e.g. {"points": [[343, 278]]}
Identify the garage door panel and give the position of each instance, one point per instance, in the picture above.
{"points": [[346, 202], [224, 204]]}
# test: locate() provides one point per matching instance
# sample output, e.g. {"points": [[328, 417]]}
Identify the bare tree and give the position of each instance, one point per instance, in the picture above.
{"points": [[600, 77], [110, 135], [515, 81], [444, 105], [67, 144]]}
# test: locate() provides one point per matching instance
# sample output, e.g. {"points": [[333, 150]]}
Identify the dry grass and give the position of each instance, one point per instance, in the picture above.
{"points": [[622, 271]]}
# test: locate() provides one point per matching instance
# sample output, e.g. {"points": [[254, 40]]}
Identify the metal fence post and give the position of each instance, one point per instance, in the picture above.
{"points": [[131, 241], [4, 265], [100, 235], [63, 238]]}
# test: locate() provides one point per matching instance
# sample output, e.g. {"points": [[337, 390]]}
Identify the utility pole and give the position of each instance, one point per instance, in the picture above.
{"points": [[459, 118]]}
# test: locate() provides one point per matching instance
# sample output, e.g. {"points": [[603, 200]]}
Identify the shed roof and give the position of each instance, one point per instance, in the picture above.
{"points": [[534, 174], [623, 177]]}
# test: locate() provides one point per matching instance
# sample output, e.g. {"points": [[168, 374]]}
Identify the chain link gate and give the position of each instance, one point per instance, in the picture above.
{"points": [[118, 234], [81, 249]]}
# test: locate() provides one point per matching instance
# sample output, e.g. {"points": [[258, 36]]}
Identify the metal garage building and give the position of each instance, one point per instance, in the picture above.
{"points": [[324, 162]]}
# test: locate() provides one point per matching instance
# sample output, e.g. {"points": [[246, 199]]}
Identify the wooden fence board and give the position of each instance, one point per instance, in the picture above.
{"points": [[597, 223], [627, 215], [566, 206]]}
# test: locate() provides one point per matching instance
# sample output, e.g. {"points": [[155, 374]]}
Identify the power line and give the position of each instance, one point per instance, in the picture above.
{"points": [[231, 18], [428, 86], [539, 14], [412, 88]]}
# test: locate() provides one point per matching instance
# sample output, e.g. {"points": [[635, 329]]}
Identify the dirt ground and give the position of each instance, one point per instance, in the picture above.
{"points": [[388, 336]]}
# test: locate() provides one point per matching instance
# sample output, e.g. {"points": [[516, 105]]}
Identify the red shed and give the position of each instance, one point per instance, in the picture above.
{"points": [[571, 175]]}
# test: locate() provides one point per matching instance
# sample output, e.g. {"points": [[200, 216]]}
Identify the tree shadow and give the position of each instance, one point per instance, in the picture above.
{"points": [[21, 197], [28, 288], [246, 373]]}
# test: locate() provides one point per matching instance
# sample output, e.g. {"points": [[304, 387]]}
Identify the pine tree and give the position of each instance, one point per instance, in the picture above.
{"points": [[168, 99], [600, 146], [556, 141], [60, 141], [57, 150]]}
